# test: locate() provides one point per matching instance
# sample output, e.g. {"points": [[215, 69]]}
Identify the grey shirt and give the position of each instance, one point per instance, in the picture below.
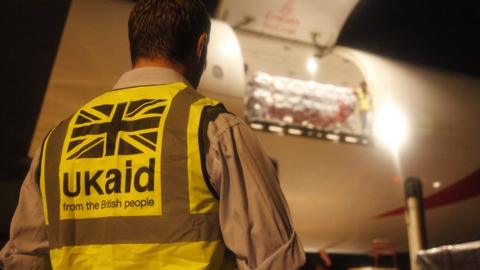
{"points": [[254, 216]]}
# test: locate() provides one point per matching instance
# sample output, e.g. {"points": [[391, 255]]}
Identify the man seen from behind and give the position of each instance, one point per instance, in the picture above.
{"points": [[153, 175]]}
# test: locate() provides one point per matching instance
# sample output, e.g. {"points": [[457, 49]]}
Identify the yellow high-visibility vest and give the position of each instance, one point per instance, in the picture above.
{"points": [[124, 185], [364, 101]]}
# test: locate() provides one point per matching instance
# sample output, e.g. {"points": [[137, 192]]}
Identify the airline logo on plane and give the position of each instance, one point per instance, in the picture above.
{"points": [[116, 129]]}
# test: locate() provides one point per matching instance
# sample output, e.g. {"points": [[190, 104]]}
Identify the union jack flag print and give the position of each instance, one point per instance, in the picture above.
{"points": [[116, 129]]}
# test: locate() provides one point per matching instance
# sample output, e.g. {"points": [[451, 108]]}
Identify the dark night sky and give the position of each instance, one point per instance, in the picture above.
{"points": [[440, 34]]}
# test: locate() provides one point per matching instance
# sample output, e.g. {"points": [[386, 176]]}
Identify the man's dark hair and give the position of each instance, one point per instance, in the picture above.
{"points": [[166, 28]]}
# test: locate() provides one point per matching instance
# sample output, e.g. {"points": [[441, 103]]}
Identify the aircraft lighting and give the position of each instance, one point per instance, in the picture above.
{"points": [[312, 65], [333, 137], [391, 126], [275, 129], [351, 139], [256, 126], [294, 131]]}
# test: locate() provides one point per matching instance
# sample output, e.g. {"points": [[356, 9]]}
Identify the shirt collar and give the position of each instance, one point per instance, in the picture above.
{"points": [[148, 76]]}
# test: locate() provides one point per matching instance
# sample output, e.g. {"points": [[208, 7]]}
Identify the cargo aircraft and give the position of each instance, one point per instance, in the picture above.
{"points": [[343, 178]]}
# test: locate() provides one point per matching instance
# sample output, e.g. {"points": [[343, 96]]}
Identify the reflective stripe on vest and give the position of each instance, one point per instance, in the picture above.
{"points": [[123, 187]]}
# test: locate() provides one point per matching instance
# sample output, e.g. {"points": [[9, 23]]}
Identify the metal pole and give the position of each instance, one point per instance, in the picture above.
{"points": [[415, 219]]}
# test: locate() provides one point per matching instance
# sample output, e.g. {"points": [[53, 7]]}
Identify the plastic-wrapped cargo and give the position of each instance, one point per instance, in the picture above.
{"points": [[306, 104], [452, 257]]}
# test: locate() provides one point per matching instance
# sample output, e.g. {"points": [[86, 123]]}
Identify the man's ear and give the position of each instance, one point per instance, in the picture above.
{"points": [[202, 43]]}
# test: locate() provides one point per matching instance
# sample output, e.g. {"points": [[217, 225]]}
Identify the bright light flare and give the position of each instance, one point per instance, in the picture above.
{"points": [[436, 184], [312, 65], [391, 126]]}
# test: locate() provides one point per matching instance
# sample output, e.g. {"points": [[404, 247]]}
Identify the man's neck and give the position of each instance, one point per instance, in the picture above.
{"points": [[159, 62]]}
